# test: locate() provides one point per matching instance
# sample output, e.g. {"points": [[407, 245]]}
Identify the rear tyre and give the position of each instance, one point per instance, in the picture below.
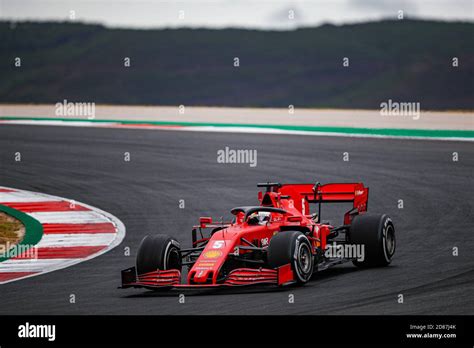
{"points": [[377, 234], [158, 252], [292, 247]]}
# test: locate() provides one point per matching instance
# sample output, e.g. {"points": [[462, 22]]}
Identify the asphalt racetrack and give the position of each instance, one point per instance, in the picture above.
{"points": [[167, 166]]}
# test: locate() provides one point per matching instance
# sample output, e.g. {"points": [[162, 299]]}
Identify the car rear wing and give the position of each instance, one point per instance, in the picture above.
{"points": [[303, 194]]}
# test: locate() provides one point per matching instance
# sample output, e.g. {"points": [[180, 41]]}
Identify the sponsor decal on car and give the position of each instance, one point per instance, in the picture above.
{"points": [[205, 264], [212, 254]]}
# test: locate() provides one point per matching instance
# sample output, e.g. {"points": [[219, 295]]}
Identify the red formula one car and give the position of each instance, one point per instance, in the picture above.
{"points": [[278, 242]]}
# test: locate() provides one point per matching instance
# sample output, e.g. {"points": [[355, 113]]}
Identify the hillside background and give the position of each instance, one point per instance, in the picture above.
{"points": [[404, 60]]}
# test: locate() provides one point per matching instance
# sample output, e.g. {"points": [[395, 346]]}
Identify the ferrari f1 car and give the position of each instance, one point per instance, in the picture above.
{"points": [[278, 242]]}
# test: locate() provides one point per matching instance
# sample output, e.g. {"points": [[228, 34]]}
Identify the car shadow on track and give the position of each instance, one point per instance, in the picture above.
{"points": [[323, 275]]}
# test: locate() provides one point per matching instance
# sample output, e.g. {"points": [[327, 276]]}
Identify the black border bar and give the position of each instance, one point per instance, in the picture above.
{"points": [[209, 330]]}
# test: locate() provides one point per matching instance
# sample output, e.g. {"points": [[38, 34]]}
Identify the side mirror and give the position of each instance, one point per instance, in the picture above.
{"points": [[295, 218], [204, 220]]}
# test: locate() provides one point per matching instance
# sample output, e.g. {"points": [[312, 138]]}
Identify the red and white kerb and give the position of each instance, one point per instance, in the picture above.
{"points": [[72, 232]]}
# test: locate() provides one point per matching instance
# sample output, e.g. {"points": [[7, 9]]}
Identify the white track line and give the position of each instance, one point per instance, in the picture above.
{"points": [[31, 265], [76, 239], [60, 123], [23, 196], [69, 217], [257, 130], [226, 129]]}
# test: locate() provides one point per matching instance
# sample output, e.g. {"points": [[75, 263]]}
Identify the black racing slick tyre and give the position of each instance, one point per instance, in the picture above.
{"points": [[158, 252], [292, 247], [377, 234]]}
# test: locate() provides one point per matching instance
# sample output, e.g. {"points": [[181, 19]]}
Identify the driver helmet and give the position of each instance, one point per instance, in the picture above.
{"points": [[261, 218]]}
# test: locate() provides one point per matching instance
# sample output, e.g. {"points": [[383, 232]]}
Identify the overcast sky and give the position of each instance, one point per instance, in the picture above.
{"points": [[263, 14]]}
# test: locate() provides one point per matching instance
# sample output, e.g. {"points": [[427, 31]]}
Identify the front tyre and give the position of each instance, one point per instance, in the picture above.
{"points": [[292, 247], [377, 234], [158, 252]]}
